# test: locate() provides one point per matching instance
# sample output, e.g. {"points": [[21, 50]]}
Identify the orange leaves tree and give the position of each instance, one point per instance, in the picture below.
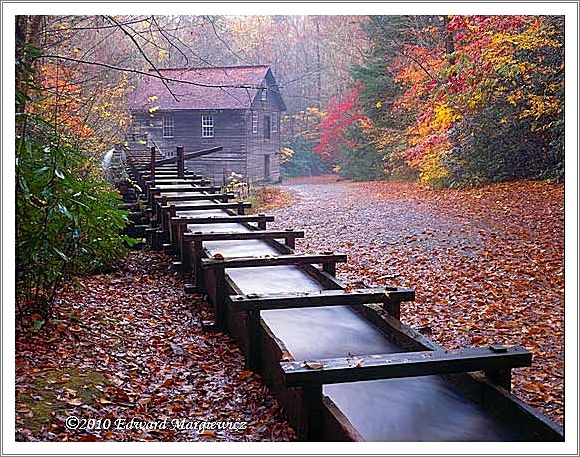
{"points": [[82, 104], [489, 107], [459, 100], [67, 217], [61, 100]]}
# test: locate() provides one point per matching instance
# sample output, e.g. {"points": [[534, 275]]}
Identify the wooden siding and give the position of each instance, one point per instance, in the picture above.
{"points": [[229, 126], [243, 152], [258, 146]]}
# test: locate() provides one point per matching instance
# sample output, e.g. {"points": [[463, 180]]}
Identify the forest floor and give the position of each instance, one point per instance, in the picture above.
{"points": [[487, 264], [129, 345]]}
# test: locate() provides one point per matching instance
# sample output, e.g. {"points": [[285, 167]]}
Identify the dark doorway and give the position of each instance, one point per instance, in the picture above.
{"points": [[266, 127], [267, 167]]}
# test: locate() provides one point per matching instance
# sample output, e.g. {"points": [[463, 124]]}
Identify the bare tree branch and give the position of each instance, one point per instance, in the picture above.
{"points": [[144, 55], [96, 27], [149, 74], [171, 44], [207, 18]]}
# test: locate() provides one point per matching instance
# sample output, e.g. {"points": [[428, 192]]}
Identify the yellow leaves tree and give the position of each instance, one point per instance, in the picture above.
{"points": [[502, 76]]}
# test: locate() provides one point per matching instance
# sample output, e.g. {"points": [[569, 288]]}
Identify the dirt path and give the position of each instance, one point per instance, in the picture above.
{"points": [[128, 346], [487, 264]]}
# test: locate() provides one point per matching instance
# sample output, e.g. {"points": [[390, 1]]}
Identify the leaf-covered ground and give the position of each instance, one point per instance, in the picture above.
{"points": [[487, 264], [129, 345], [269, 198]]}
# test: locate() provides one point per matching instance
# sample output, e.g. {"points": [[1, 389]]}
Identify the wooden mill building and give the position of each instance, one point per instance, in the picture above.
{"points": [[237, 108]]}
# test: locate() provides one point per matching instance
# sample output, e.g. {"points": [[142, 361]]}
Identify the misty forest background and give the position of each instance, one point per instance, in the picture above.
{"points": [[450, 101]]}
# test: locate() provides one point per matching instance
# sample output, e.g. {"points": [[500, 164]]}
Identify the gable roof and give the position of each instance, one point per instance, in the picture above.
{"points": [[239, 87]]}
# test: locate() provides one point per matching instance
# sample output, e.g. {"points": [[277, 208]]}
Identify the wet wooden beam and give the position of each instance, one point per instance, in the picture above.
{"points": [[403, 365], [321, 298], [171, 180], [237, 219], [180, 162], [295, 259], [195, 188], [190, 186], [152, 163], [207, 206], [195, 197], [169, 173], [253, 235], [188, 156]]}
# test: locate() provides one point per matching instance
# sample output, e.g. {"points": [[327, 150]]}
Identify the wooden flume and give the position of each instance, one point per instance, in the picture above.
{"points": [[206, 230]]}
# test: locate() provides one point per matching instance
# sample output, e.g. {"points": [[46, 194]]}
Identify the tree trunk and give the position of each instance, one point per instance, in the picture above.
{"points": [[21, 30], [318, 64], [448, 37], [27, 34]]}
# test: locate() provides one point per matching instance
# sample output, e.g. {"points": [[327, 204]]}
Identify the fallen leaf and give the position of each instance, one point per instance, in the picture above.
{"points": [[23, 409], [245, 375], [177, 350]]}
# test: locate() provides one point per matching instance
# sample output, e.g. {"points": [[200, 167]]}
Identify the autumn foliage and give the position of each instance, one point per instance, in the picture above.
{"points": [[68, 221], [62, 101], [474, 99], [344, 139], [299, 134], [341, 114]]}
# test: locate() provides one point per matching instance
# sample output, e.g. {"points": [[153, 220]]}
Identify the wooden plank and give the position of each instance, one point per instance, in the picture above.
{"points": [[164, 171], [402, 365], [253, 235], [180, 162], [322, 298], [152, 162], [327, 281], [212, 206], [296, 259], [188, 156], [189, 187], [198, 189], [253, 327], [158, 183], [312, 404], [170, 180], [194, 197], [182, 183], [222, 219], [329, 268]]}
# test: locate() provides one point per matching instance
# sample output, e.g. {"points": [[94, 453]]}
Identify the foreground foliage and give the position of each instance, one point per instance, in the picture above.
{"points": [[67, 217], [68, 221]]}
